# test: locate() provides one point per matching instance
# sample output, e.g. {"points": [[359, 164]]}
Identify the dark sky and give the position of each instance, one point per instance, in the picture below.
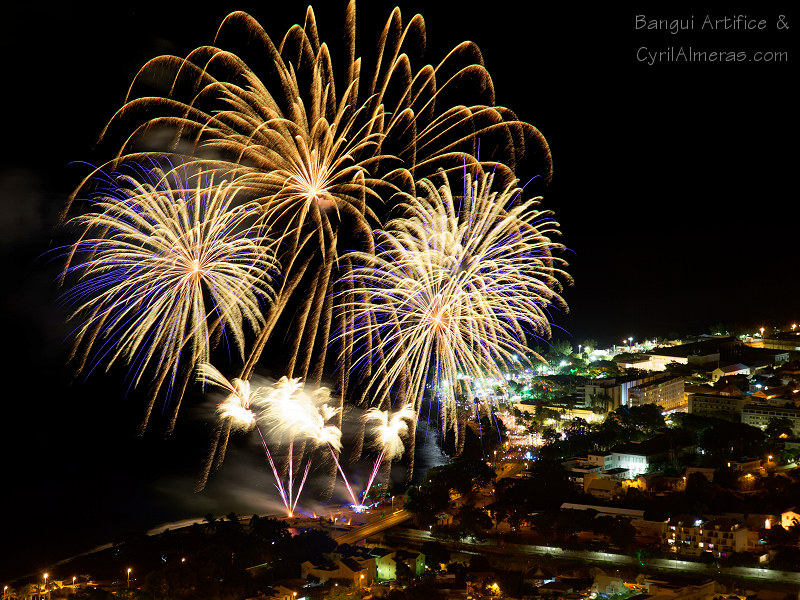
{"points": [[674, 184]]}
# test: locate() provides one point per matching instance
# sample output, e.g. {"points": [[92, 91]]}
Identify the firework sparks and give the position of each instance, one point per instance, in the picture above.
{"points": [[310, 145], [390, 428], [292, 412], [455, 285], [159, 265], [389, 431], [289, 412], [323, 156], [236, 408]]}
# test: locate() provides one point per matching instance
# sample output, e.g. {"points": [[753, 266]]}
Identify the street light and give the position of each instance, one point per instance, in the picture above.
{"points": [[129, 577]]}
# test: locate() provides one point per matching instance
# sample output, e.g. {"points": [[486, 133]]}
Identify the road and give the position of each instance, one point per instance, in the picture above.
{"points": [[417, 536], [370, 529]]}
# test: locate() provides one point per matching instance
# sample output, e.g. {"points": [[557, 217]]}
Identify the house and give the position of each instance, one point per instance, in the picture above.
{"points": [[538, 576], [618, 389], [555, 588], [720, 536], [606, 585], [604, 460], [672, 587], [745, 465], [728, 370], [603, 489], [665, 391], [790, 517], [288, 590], [400, 564], [707, 472], [639, 457], [717, 405], [359, 571]]}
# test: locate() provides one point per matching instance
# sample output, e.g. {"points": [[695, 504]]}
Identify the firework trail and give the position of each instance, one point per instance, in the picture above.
{"points": [[289, 412], [236, 412], [454, 287], [388, 431], [163, 260]]}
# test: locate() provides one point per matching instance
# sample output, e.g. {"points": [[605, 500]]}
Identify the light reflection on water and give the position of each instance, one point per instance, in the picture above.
{"points": [[428, 453]]}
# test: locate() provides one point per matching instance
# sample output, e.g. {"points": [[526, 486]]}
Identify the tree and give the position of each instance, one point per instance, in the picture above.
{"points": [[544, 523], [435, 553], [550, 435], [269, 528], [561, 348], [473, 522], [211, 522], [464, 475], [623, 534], [416, 591], [600, 403], [589, 345], [426, 502], [697, 489], [646, 418], [777, 427], [786, 559], [676, 368], [90, 594]]}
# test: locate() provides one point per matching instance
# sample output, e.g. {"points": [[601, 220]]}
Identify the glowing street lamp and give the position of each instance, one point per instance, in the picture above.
{"points": [[129, 577]]}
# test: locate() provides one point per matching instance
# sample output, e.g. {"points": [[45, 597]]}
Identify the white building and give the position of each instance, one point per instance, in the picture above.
{"points": [[685, 534]]}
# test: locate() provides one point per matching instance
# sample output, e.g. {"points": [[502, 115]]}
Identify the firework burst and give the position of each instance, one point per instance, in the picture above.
{"points": [[321, 153], [289, 412], [388, 430], [237, 408], [456, 284], [162, 262]]}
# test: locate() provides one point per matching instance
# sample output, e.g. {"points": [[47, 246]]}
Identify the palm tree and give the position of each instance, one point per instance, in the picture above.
{"points": [[211, 521]]}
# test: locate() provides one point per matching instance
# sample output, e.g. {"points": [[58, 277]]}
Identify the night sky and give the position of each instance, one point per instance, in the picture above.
{"points": [[674, 184]]}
